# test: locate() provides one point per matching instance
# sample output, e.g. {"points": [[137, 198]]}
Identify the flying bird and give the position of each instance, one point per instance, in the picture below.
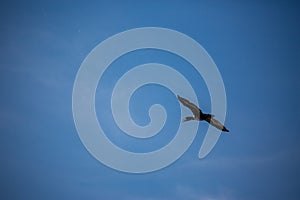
{"points": [[200, 116]]}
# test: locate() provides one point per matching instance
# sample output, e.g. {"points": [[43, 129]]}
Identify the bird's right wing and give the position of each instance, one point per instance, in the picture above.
{"points": [[196, 111]]}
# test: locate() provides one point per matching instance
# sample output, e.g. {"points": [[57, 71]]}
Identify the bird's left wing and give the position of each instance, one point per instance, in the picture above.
{"points": [[196, 111]]}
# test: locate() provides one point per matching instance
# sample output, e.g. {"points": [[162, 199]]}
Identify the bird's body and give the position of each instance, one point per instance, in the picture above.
{"points": [[200, 116]]}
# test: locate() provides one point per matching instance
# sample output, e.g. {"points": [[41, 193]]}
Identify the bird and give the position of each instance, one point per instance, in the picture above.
{"points": [[200, 116]]}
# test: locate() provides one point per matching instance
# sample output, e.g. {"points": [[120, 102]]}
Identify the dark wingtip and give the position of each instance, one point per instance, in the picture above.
{"points": [[225, 129], [179, 97]]}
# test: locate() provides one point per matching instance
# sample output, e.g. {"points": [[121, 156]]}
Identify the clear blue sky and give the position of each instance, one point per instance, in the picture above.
{"points": [[256, 46]]}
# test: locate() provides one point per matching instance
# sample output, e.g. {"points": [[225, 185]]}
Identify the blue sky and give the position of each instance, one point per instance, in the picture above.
{"points": [[256, 47]]}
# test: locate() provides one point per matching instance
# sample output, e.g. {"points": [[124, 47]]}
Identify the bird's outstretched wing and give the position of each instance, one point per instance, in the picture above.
{"points": [[217, 124], [196, 111]]}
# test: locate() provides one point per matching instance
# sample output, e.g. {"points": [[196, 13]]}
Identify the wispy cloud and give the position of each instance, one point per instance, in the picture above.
{"points": [[187, 192]]}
